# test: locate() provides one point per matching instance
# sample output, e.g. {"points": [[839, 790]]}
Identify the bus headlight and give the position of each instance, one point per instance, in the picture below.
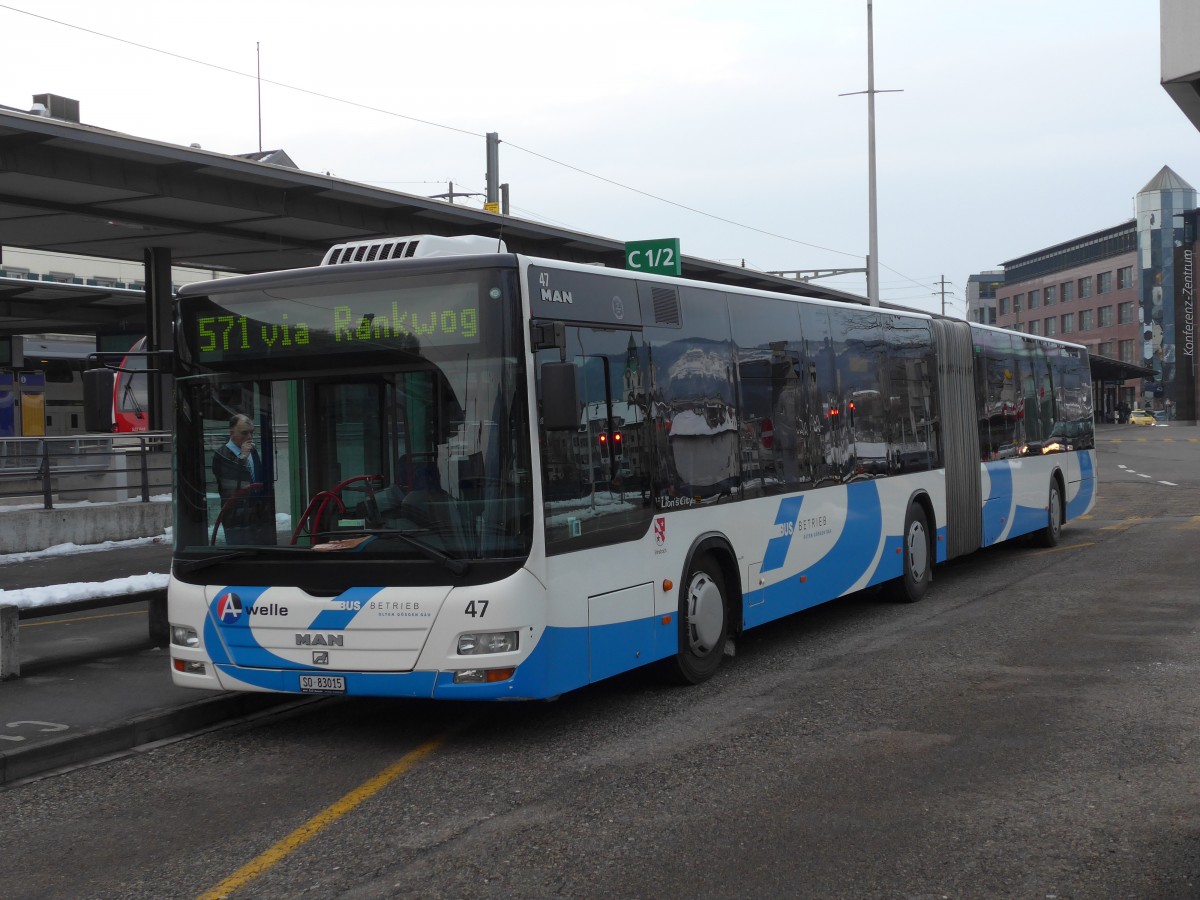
{"points": [[487, 642], [183, 636]]}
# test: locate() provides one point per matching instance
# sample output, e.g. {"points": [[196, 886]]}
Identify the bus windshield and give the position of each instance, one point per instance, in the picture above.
{"points": [[394, 425]]}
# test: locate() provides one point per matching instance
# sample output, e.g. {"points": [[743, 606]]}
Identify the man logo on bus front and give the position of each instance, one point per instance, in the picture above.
{"points": [[660, 530]]}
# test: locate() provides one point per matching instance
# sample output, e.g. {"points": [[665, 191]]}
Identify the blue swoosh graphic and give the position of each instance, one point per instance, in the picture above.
{"points": [[340, 619], [1087, 486], [996, 508], [777, 547]]}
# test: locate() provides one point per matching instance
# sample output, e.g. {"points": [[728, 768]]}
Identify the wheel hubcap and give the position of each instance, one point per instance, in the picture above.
{"points": [[918, 551], [706, 613]]}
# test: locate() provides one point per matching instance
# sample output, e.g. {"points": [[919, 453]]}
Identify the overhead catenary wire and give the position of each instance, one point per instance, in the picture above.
{"points": [[226, 69], [452, 128]]}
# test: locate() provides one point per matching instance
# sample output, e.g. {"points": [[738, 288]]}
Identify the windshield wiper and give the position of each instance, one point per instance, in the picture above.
{"points": [[195, 565], [453, 563]]}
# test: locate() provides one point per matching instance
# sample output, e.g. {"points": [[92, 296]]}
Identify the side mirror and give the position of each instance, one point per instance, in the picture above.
{"points": [[560, 397]]}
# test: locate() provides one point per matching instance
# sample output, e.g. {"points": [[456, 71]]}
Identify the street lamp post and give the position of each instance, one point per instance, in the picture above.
{"points": [[872, 221], [872, 217]]}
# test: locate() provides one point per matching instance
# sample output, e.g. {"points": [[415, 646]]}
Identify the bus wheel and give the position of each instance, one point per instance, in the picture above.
{"points": [[702, 624], [918, 565], [1052, 533]]}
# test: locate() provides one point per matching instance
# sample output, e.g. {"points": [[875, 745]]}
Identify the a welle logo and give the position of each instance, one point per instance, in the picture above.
{"points": [[230, 609]]}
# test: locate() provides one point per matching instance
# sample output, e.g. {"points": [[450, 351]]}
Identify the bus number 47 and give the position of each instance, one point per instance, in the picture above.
{"points": [[477, 608]]}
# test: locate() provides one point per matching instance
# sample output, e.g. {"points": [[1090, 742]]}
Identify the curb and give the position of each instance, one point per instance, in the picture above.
{"points": [[104, 740]]}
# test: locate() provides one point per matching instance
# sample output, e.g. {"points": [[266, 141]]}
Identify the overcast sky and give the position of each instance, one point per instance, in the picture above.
{"points": [[1020, 124]]}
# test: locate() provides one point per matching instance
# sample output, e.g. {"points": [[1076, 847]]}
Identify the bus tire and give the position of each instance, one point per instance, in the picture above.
{"points": [[1052, 533], [703, 623], [918, 561]]}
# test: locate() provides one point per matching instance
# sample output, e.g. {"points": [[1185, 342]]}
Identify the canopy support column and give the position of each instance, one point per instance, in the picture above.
{"points": [[159, 304]]}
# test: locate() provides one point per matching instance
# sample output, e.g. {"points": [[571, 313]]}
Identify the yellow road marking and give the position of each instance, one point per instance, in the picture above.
{"points": [[136, 612], [318, 823], [1072, 547]]}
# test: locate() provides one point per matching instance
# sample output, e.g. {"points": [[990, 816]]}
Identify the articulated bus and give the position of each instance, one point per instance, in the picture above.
{"points": [[490, 476]]}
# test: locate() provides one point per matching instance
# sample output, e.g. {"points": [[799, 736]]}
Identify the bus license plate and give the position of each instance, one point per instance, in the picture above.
{"points": [[323, 684]]}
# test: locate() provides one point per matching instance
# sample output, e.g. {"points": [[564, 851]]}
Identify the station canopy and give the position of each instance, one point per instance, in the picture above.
{"points": [[77, 189], [1105, 368]]}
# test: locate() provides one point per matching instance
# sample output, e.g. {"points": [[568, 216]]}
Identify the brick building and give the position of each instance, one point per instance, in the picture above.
{"points": [[1113, 292]]}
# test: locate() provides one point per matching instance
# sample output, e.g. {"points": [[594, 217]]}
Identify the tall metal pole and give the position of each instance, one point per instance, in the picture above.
{"points": [[943, 282], [258, 63], [493, 169], [873, 224]]}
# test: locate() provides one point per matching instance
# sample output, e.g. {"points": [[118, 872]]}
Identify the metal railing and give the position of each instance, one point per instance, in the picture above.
{"points": [[97, 468], [11, 616]]}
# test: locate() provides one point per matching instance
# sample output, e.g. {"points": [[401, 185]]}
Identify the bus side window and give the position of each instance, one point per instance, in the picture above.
{"points": [[822, 386], [596, 475], [914, 425], [694, 400], [773, 400]]}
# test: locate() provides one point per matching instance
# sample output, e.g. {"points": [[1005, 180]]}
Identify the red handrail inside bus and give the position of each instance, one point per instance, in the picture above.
{"points": [[310, 519]]}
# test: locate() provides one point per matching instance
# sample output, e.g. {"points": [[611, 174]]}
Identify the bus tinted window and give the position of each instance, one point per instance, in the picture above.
{"points": [[996, 387], [1072, 429], [858, 342], [596, 478], [774, 400], [914, 426], [693, 401], [1036, 402], [823, 393]]}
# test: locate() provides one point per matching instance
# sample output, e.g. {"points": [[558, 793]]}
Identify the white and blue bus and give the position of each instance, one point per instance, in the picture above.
{"points": [[490, 476]]}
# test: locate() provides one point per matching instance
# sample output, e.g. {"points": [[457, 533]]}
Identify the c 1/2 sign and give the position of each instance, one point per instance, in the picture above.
{"points": [[658, 257]]}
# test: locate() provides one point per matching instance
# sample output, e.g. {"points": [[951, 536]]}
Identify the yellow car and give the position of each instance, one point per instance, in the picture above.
{"points": [[1141, 417]]}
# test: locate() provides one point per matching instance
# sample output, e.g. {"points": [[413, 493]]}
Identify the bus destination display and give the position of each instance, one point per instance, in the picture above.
{"points": [[258, 325]]}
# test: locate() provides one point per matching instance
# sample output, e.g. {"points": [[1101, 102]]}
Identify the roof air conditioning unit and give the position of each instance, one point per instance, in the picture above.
{"points": [[420, 246], [58, 107]]}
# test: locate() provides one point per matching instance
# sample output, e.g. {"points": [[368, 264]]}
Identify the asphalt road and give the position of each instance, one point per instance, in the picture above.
{"points": [[1028, 730]]}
